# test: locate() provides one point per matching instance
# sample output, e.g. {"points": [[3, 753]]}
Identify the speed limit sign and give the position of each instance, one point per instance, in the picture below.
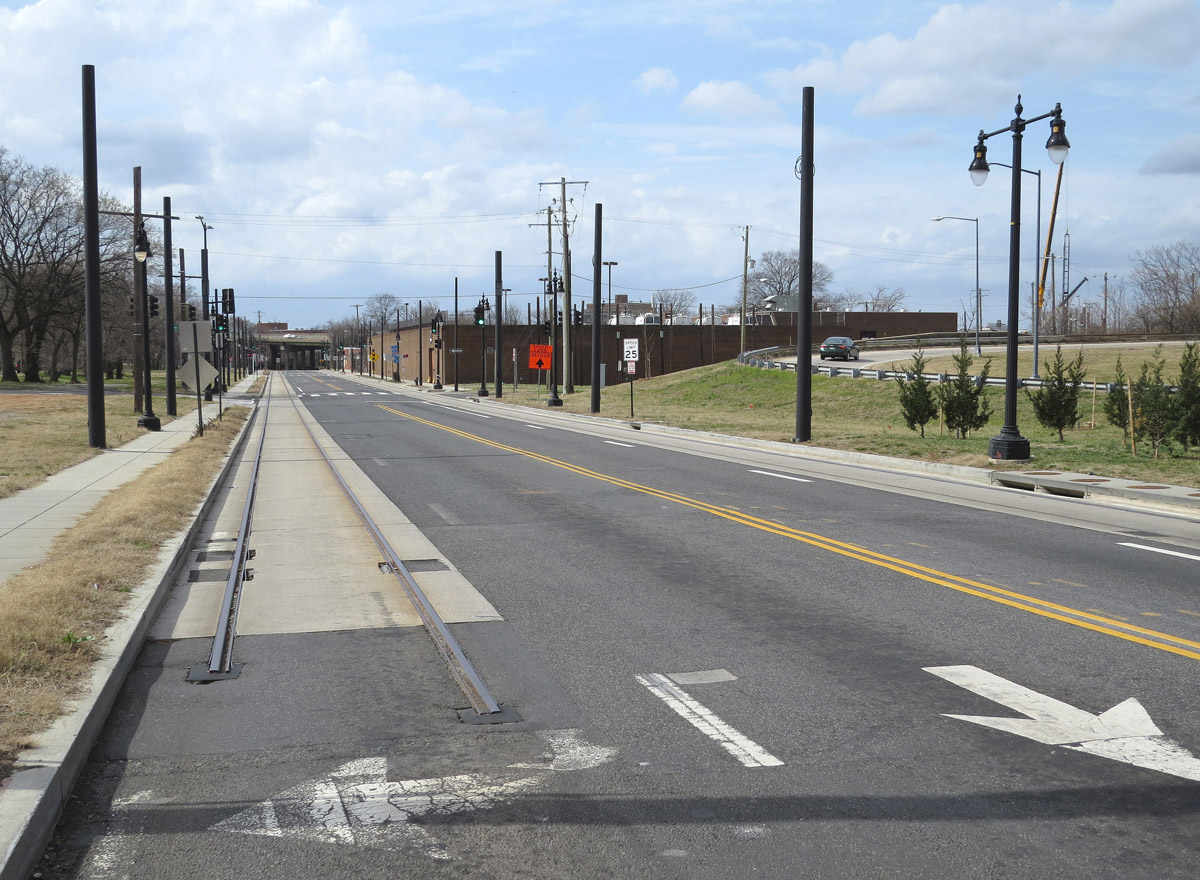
{"points": [[631, 350]]}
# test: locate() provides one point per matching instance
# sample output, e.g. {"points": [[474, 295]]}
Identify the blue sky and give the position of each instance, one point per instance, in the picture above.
{"points": [[345, 149]]}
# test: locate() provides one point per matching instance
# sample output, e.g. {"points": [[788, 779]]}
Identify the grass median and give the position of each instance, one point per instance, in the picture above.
{"points": [[53, 616]]}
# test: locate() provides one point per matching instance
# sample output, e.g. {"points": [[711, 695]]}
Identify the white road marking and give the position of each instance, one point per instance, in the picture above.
{"points": [[536, 427], [615, 443], [750, 753], [357, 805], [1159, 550], [465, 412], [708, 676], [1123, 733], [782, 476]]}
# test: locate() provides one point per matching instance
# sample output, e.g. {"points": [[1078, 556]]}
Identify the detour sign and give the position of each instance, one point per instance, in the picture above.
{"points": [[539, 357]]}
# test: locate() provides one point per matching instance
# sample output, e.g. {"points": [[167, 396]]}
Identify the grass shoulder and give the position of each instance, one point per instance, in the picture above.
{"points": [[859, 415]]}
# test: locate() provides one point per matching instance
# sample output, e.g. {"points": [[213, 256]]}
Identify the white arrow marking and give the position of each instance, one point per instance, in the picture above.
{"points": [[1123, 733], [356, 804]]}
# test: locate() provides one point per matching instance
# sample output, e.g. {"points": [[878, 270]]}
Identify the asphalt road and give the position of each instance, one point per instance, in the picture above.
{"points": [[726, 663]]}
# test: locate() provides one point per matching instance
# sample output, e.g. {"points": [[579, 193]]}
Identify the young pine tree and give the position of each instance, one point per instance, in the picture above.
{"points": [[1156, 413], [1188, 397], [1056, 403], [918, 405], [964, 401], [1116, 402]]}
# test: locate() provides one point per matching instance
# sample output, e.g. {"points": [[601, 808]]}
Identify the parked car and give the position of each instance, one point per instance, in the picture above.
{"points": [[839, 347]]}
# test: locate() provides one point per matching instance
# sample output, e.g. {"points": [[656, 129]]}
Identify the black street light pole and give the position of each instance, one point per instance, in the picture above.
{"points": [[1037, 302], [1009, 445], [141, 253]]}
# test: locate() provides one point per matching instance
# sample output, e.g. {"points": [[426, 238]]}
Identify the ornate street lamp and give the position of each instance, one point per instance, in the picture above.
{"points": [[1009, 445]]}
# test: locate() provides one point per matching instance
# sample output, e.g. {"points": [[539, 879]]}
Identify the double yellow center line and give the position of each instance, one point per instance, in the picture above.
{"points": [[1031, 604]]}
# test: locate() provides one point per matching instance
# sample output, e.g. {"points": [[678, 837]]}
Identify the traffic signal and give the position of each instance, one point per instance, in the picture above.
{"points": [[479, 315], [437, 343], [132, 305], [576, 316], [227, 300], [219, 324], [546, 326], [191, 312], [153, 306], [559, 317]]}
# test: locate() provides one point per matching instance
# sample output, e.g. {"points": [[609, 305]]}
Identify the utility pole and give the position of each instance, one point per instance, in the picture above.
{"points": [[1104, 318], [745, 282], [568, 379]]}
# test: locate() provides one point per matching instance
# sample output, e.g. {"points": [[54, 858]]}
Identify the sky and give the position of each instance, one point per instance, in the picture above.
{"points": [[344, 149]]}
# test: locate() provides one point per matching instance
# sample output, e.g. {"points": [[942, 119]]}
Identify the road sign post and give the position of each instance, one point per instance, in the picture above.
{"points": [[631, 359]]}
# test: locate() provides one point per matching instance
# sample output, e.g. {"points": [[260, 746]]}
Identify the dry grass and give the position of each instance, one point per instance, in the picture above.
{"points": [[54, 615], [40, 434]]}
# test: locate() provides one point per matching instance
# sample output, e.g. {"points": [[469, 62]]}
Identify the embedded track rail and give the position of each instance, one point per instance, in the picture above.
{"points": [[221, 663]]}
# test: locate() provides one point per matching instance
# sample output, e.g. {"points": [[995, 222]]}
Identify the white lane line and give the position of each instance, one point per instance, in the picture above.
{"points": [[1159, 550], [465, 412], [536, 427], [615, 443], [782, 476], [750, 753]]}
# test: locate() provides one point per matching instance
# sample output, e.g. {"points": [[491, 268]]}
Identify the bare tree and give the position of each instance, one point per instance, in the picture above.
{"points": [[879, 300], [675, 302], [777, 273], [1166, 292], [381, 309]]}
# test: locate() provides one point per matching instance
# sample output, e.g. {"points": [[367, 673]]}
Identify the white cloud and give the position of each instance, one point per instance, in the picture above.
{"points": [[657, 79], [963, 57], [728, 100], [1181, 156]]}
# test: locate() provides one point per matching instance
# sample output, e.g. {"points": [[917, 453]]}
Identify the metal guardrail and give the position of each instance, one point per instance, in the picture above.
{"points": [[761, 359]]}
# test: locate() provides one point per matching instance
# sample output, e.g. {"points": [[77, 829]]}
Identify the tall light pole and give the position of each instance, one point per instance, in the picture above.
{"points": [[610, 264], [1037, 302], [141, 252], [1009, 445], [978, 292]]}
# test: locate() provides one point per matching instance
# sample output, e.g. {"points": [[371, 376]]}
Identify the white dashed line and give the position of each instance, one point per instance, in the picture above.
{"points": [[782, 476], [1159, 550]]}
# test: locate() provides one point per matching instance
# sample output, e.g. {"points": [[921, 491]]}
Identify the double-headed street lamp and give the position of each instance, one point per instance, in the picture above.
{"points": [[141, 253], [978, 292], [1009, 445]]}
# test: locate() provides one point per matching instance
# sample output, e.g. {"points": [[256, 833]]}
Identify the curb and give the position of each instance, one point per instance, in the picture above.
{"points": [[33, 798]]}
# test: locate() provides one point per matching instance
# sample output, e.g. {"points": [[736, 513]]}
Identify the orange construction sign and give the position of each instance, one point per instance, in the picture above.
{"points": [[540, 356]]}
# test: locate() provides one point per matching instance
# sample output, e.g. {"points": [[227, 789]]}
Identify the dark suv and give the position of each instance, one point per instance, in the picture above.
{"points": [[839, 347]]}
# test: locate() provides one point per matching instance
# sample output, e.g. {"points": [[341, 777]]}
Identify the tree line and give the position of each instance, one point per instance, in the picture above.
{"points": [[42, 323]]}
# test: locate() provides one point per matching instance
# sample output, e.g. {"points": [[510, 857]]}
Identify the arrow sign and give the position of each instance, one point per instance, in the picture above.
{"points": [[1123, 733]]}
